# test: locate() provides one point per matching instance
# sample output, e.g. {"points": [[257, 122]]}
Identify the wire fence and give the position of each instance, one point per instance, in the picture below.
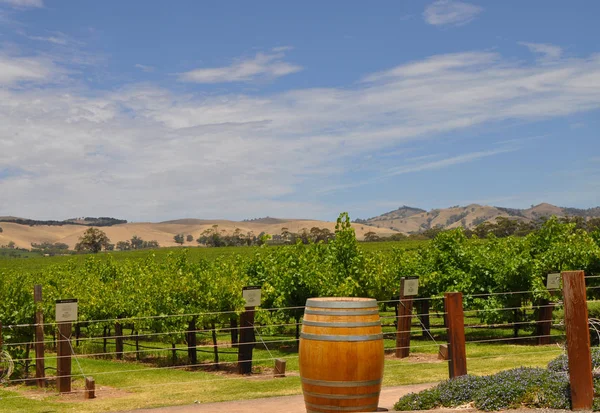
{"points": [[275, 336]]}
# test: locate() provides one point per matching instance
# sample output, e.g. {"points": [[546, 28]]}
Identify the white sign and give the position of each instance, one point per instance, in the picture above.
{"points": [[553, 281], [411, 287], [252, 296], [66, 310]]}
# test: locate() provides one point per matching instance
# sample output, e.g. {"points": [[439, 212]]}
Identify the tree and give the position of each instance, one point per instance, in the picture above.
{"points": [[179, 239], [1, 230], [92, 240], [371, 237], [11, 244], [136, 243], [123, 245], [189, 238]]}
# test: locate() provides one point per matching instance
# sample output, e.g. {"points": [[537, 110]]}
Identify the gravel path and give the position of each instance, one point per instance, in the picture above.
{"points": [[285, 404]]}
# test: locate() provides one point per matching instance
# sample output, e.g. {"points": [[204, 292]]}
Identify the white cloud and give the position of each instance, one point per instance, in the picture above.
{"points": [[545, 50], [22, 4], [448, 12], [147, 153], [262, 65], [50, 39], [145, 68], [26, 69], [444, 163]]}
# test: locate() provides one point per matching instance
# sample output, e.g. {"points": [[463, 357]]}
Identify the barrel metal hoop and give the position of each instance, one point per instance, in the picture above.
{"points": [[340, 325], [341, 338], [363, 408], [337, 313], [341, 396], [327, 383], [315, 302]]}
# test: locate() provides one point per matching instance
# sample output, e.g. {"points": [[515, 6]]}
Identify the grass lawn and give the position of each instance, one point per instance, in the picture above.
{"points": [[123, 385]]}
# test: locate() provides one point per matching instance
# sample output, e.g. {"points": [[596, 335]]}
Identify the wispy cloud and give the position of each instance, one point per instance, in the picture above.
{"points": [[145, 68], [416, 165], [444, 163], [26, 69], [448, 12], [544, 50], [82, 147], [50, 39], [24, 4], [262, 65]]}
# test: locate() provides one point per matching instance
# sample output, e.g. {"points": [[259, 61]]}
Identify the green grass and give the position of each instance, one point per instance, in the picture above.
{"points": [[123, 385], [142, 387]]}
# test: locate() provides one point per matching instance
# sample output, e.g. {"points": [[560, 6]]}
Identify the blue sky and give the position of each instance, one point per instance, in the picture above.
{"points": [[149, 110]]}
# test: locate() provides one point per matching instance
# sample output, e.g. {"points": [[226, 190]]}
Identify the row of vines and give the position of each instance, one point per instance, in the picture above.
{"points": [[208, 292]]}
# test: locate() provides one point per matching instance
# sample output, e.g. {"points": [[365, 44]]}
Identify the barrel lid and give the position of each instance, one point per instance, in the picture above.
{"points": [[341, 302]]}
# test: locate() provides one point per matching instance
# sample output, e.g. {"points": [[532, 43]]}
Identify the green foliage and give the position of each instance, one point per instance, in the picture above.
{"points": [[531, 387], [93, 240], [425, 400]]}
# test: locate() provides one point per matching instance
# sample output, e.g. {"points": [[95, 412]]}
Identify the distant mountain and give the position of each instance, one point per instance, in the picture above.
{"points": [[413, 220]]}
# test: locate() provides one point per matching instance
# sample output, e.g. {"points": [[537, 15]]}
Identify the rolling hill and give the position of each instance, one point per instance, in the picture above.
{"points": [[413, 220], [405, 219]]}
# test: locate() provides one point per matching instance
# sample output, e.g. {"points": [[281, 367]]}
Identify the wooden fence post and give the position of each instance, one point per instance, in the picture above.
{"points": [[63, 363], [405, 307], [39, 337], [544, 322], [192, 342], [455, 321], [578, 340], [246, 344], [119, 340]]}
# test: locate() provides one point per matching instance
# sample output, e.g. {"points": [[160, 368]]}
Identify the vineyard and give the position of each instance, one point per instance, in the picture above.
{"points": [[178, 308]]}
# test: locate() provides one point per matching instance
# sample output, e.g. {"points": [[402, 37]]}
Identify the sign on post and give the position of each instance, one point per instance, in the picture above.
{"points": [[66, 310], [553, 281], [252, 296], [411, 287]]}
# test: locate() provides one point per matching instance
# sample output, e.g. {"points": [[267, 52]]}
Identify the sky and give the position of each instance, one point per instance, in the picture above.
{"points": [[157, 110]]}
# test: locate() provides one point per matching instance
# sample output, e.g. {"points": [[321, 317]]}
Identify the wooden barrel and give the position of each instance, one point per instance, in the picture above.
{"points": [[341, 355]]}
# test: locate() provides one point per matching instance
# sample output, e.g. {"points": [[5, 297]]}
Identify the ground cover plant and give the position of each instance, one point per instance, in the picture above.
{"points": [[519, 387]]}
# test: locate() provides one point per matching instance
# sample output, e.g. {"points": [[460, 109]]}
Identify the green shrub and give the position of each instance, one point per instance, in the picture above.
{"points": [[425, 400], [532, 387], [460, 390]]}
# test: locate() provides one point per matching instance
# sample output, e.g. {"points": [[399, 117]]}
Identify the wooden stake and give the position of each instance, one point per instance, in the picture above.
{"points": [[455, 320], [405, 307], [246, 341], [90, 388], [63, 363], [280, 368], [39, 338], [578, 340]]}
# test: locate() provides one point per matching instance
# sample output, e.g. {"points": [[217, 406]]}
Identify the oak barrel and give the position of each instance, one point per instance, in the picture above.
{"points": [[341, 355]]}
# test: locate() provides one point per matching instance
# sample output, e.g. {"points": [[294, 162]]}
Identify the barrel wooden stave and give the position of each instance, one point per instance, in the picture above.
{"points": [[341, 365]]}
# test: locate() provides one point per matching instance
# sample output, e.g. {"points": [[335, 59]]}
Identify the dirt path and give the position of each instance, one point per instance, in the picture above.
{"points": [[287, 404]]}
